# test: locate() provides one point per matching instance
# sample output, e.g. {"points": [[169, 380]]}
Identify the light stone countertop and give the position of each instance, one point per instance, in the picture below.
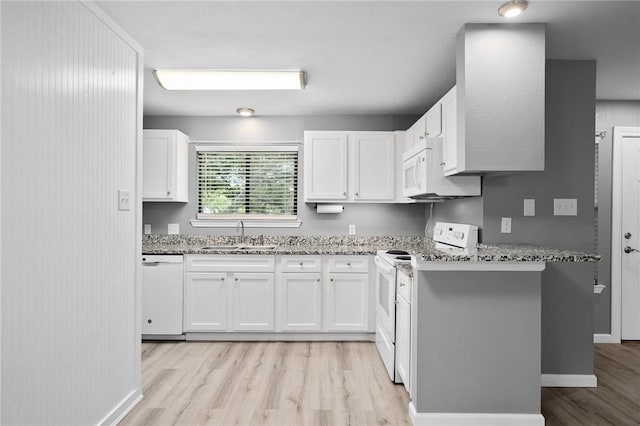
{"points": [[422, 248]]}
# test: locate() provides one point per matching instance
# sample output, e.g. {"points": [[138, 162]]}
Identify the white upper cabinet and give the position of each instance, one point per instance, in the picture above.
{"points": [[165, 166], [372, 166], [325, 166], [433, 121], [349, 166], [450, 132]]}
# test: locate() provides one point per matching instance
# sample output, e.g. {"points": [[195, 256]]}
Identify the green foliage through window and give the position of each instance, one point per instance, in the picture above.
{"points": [[251, 184]]}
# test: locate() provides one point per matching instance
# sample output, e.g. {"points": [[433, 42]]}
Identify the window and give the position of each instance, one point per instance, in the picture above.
{"points": [[247, 182]]}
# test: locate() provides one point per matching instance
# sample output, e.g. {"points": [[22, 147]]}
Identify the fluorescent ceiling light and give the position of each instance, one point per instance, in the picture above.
{"points": [[230, 79], [513, 8]]}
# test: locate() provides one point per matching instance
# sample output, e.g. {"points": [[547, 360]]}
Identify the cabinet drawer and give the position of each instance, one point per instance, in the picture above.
{"points": [[229, 263], [348, 264], [303, 263]]}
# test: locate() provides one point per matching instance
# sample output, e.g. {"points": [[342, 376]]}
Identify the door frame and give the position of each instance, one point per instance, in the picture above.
{"points": [[619, 133]]}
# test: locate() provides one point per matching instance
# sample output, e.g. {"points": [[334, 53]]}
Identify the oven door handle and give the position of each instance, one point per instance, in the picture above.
{"points": [[384, 266]]}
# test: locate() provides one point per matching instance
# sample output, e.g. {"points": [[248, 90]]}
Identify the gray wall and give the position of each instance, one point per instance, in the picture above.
{"points": [[567, 289], [370, 219], [608, 115]]}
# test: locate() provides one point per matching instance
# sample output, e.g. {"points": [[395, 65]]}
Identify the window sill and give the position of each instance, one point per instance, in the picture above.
{"points": [[201, 223]]}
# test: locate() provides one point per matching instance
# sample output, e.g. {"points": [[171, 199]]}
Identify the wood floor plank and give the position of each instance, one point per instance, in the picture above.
{"points": [[336, 383]]}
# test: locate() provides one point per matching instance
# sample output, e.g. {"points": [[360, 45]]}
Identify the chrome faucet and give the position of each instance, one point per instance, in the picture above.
{"points": [[240, 225]]}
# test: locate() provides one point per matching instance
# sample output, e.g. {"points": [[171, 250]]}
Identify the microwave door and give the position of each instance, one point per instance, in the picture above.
{"points": [[411, 177]]}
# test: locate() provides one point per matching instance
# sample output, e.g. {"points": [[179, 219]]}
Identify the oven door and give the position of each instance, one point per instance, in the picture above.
{"points": [[386, 297]]}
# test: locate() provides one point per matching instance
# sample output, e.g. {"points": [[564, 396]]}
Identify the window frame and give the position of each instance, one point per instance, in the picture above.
{"points": [[250, 220]]}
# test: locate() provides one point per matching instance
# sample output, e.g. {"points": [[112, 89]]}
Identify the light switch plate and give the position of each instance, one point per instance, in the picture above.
{"points": [[505, 226], [529, 207], [173, 228], [352, 230], [565, 207], [147, 228], [124, 199]]}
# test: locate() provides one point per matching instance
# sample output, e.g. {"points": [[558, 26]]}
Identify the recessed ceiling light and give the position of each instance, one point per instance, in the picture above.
{"points": [[512, 8], [245, 112], [203, 79]]}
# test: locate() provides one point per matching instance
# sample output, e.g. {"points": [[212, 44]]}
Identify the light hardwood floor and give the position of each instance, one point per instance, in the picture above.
{"points": [[267, 383], [336, 383]]}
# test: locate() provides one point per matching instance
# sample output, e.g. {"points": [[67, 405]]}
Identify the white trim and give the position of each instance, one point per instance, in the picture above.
{"points": [[604, 338], [569, 381], [281, 337], [122, 409], [247, 148], [112, 25], [422, 265], [616, 228], [201, 223], [474, 419]]}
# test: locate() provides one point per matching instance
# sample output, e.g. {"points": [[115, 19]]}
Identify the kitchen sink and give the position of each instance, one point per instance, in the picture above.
{"points": [[220, 247]]}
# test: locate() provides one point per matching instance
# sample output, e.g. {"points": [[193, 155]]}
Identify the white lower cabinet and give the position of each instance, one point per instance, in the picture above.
{"points": [[347, 293], [205, 297], [300, 302], [296, 293], [229, 300], [253, 301]]}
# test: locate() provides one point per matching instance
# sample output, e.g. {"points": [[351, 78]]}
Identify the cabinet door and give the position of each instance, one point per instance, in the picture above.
{"points": [[205, 302], [347, 302], [450, 133], [373, 166], [403, 341], [158, 173], [433, 121], [419, 130], [299, 302], [253, 301], [325, 166]]}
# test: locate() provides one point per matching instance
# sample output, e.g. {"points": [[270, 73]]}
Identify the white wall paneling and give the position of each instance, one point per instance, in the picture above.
{"points": [[71, 131]]}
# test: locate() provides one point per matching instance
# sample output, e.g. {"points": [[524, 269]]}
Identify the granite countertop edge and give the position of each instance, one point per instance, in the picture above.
{"points": [[421, 248]]}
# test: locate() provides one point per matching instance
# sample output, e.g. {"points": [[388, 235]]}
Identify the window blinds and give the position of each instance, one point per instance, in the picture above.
{"points": [[247, 182]]}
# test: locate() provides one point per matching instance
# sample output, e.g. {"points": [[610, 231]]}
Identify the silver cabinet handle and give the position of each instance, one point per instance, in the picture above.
{"points": [[301, 263]]}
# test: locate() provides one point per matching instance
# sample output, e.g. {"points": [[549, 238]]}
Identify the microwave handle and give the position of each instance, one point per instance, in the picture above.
{"points": [[416, 170]]}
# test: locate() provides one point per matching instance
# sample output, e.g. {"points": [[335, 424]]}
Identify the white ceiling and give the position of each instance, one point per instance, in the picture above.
{"points": [[361, 57]]}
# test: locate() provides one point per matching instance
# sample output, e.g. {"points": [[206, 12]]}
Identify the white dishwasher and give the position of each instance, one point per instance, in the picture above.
{"points": [[162, 289]]}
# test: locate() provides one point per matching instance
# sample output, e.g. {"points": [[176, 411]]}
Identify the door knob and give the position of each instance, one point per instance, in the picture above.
{"points": [[628, 249], [627, 235]]}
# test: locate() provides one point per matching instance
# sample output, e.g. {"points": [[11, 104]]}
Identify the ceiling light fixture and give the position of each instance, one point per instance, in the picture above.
{"points": [[512, 8], [245, 112], [203, 79]]}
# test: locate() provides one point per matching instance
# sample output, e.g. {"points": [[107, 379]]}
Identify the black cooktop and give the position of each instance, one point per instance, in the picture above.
{"points": [[400, 252]]}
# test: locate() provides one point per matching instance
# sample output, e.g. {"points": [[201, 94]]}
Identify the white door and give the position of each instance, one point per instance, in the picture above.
{"points": [[630, 241], [205, 302], [373, 166], [347, 302], [253, 301], [299, 301]]}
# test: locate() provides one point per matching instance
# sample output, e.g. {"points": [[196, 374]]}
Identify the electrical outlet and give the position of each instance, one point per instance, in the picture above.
{"points": [[147, 228], [124, 199], [173, 228], [565, 207], [529, 207], [505, 226], [352, 230]]}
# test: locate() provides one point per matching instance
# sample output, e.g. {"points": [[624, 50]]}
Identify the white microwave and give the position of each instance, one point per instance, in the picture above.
{"points": [[423, 177]]}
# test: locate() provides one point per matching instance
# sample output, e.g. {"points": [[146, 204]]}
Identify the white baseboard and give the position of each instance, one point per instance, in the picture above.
{"points": [[605, 338], [474, 419], [122, 409], [281, 337], [569, 381]]}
